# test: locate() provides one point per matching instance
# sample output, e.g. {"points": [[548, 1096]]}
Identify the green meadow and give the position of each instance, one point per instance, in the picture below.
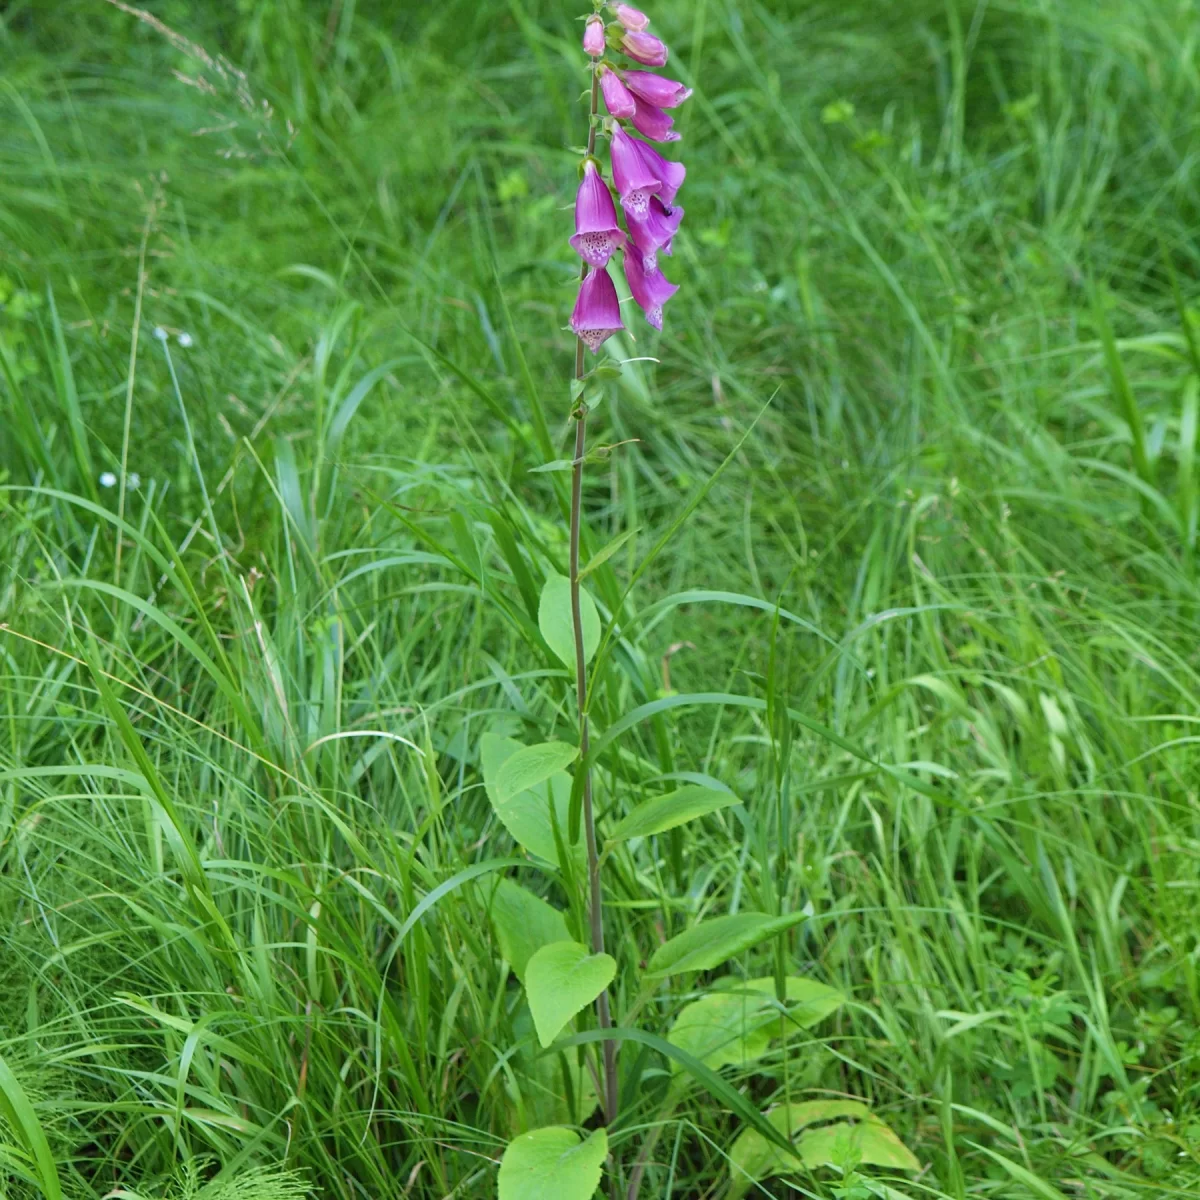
{"points": [[892, 536]]}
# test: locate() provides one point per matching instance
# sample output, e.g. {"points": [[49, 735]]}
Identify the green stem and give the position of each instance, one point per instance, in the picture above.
{"points": [[595, 899]]}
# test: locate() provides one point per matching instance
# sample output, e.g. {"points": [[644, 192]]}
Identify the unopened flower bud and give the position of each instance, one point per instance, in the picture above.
{"points": [[593, 37], [631, 18]]}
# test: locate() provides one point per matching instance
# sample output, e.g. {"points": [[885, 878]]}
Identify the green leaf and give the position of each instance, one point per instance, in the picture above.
{"points": [[722, 1029], [710, 943], [603, 555], [552, 1164], [557, 626], [559, 464], [530, 766], [867, 1140], [524, 924], [526, 815], [666, 812], [561, 980], [736, 1023], [808, 1002]]}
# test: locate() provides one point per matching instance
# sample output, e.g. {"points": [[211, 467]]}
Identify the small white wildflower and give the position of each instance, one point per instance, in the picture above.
{"points": [[160, 333], [185, 340], [134, 481], [108, 479]]}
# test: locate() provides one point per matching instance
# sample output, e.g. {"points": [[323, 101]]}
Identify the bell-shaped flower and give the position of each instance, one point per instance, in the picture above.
{"points": [[669, 174], [631, 18], [644, 48], [651, 289], [597, 314], [654, 231], [654, 89], [597, 232], [636, 179], [652, 122], [593, 37], [618, 99]]}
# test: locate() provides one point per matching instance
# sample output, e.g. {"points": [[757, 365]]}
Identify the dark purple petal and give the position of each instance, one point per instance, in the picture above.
{"points": [[654, 232], [644, 48], [631, 18], [617, 97], [654, 89], [597, 314], [670, 175], [593, 37], [651, 289], [652, 122], [597, 232], [636, 179]]}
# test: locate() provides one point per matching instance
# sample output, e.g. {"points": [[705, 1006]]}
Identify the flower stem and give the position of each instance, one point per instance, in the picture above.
{"points": [[595, 909]]}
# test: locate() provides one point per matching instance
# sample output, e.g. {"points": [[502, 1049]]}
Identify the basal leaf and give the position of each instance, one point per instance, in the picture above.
{"points": [[524, 923], [711, 943], [722, 1029], [557, 625], [562, 979], [737, 1022], [552, 1164], [823, 1136], [674, 809]]}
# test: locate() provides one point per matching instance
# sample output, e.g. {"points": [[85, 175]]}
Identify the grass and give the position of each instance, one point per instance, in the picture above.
{"points": [[939, 281]]}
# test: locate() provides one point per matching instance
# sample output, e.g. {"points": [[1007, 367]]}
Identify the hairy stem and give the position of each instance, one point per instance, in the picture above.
{"points": [[595, 909]]}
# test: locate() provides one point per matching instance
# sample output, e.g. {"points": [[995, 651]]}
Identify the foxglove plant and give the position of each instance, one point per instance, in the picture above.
{"points": [[546, 809], [563, 978]]}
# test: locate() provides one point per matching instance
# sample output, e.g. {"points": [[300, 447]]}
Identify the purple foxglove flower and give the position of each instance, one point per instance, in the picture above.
{"points": [[644, 48], [652, 122], [636, 179], [593, 37], [617, 97], [631, 18], [651, 289], [654, 232], [597, 314], [669, 174], [654, 89], [597, 233]]}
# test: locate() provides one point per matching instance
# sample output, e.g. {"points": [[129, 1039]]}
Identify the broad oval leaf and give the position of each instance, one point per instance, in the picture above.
{"points": [[530, 766], [524, 923], [820, 1144], [552, 1164], [722, 1029], [557, 625], [808, 1002], [561, 980], [737, 1022], [526, 815], [673, 809], [711, 943]]}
